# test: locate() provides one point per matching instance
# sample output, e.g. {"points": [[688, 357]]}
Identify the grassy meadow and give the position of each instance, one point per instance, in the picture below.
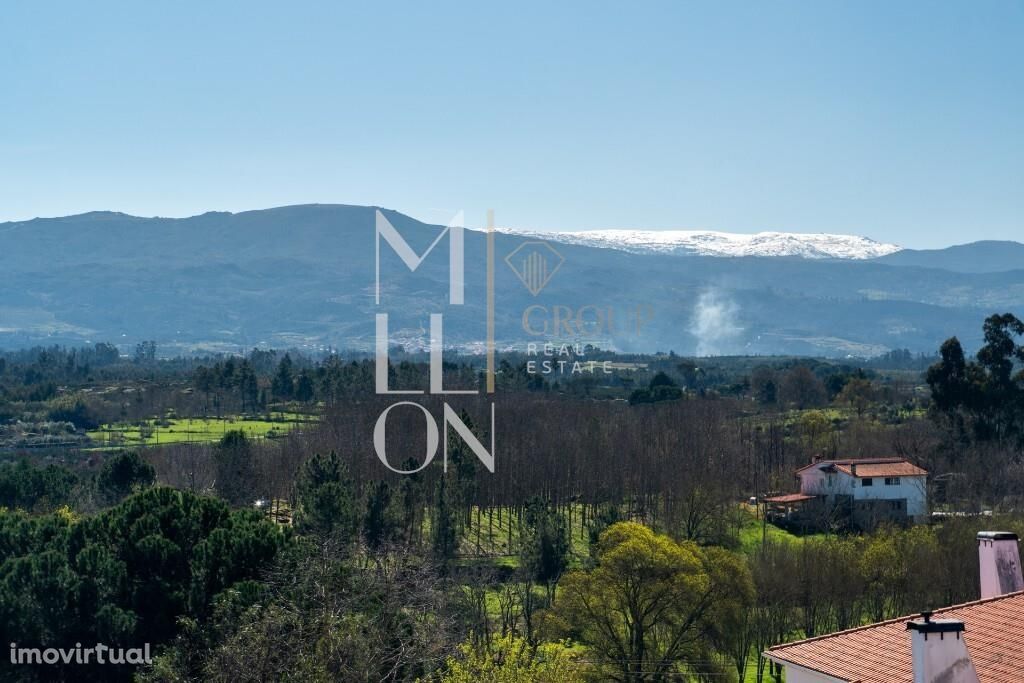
{"points": [[161, 432]]}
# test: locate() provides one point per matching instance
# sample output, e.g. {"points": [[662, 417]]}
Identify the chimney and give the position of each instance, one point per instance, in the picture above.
{"points": [[939, 651], [853, 468], [999, 561]]}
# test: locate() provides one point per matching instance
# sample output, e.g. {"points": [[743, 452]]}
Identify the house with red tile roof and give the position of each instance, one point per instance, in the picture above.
{"points": [[858, 492], [977, 642]]}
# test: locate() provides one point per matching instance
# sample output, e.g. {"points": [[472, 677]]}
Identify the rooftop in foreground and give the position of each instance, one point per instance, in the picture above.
{"points": [[881, 653]]}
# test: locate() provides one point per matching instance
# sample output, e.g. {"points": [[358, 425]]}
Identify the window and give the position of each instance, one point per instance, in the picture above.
{"points": [[892, 481], [867, 482]]}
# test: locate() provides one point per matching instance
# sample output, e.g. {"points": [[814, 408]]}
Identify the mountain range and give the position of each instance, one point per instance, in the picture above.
{"points": [[712, 243], [303, 276]]}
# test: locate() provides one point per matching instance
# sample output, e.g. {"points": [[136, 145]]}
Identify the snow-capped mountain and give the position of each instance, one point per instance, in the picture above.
{"points": [[310, 290], [711, 243]]}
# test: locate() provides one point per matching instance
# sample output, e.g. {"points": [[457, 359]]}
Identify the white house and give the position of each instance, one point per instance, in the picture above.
{"points": [[868, 491]]}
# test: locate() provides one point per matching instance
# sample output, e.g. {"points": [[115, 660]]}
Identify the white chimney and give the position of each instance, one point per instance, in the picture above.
{"points": [[999, 562], [939, 651]]}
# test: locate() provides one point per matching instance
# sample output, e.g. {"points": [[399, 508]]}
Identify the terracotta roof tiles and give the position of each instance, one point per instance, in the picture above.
{"points": [[884, 469], [872, 467], [789, 498], [880, 653]]}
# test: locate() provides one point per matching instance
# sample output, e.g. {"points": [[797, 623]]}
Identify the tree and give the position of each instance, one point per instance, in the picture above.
{"points": [[645, 605], [956, 387], [817, 432], [145, 352], [380, 524], [983, 399], [510, 659], [319, 619], [105, 354], [661, 388], [465, 468], [248, 386], [127, 574], [693, 375], [764, 385], [948, 379], [411, 490], [607, 515], [121, 474], [304, 389], [235, 479], [1003, 400], [773, 566], [283, 384], [204, 381], [858, 393], [23, 486], [544, 549], [74, 409], [1000, 352], [443, 532], [802, 389], [326, 499]]}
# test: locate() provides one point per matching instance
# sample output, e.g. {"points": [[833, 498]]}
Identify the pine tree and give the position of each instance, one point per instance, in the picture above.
{"points": [[304, 390], [326, 497], [379, 525], [283, 384], [235, 471], [443, 524]]}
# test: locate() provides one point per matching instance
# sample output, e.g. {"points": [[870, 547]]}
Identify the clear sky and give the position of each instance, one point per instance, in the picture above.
{"points": [[902, 121]]}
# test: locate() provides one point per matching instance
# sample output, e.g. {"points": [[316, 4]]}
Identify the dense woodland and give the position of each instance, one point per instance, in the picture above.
{"points": [[614, 540]]}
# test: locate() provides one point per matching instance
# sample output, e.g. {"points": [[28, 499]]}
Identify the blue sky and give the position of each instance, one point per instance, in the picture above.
{"points": [[902, 121]]}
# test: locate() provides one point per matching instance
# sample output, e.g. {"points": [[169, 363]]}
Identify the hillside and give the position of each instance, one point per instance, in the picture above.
{"points": [[303, 276], [989, 256]]}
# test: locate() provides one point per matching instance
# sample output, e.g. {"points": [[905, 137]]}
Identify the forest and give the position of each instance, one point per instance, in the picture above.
{"points": [[230, 511]]}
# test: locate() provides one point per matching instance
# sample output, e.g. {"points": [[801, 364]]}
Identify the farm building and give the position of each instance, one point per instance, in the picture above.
{"points": [[858, 493]]}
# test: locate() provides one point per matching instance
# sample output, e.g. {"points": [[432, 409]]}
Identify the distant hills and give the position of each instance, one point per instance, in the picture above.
{"points": [[988, 256], [303, 276]]}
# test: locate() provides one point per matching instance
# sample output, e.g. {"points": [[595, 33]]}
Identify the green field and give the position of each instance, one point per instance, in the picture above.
{"points": [[161, 432], [753, 532]]}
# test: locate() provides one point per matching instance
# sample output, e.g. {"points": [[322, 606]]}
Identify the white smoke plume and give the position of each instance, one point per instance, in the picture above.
{"points": [[715, 323]]}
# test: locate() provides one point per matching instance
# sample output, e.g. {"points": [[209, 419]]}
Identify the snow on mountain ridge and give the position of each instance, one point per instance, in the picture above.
{"points": [[713, 243]]}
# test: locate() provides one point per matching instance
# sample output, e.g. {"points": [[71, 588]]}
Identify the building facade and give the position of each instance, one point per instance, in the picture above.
{"points": [[859, 493]]}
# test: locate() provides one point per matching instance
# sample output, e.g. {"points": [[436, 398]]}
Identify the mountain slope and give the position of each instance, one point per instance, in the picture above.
{"points": [[977, 257], [304, 276]]}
